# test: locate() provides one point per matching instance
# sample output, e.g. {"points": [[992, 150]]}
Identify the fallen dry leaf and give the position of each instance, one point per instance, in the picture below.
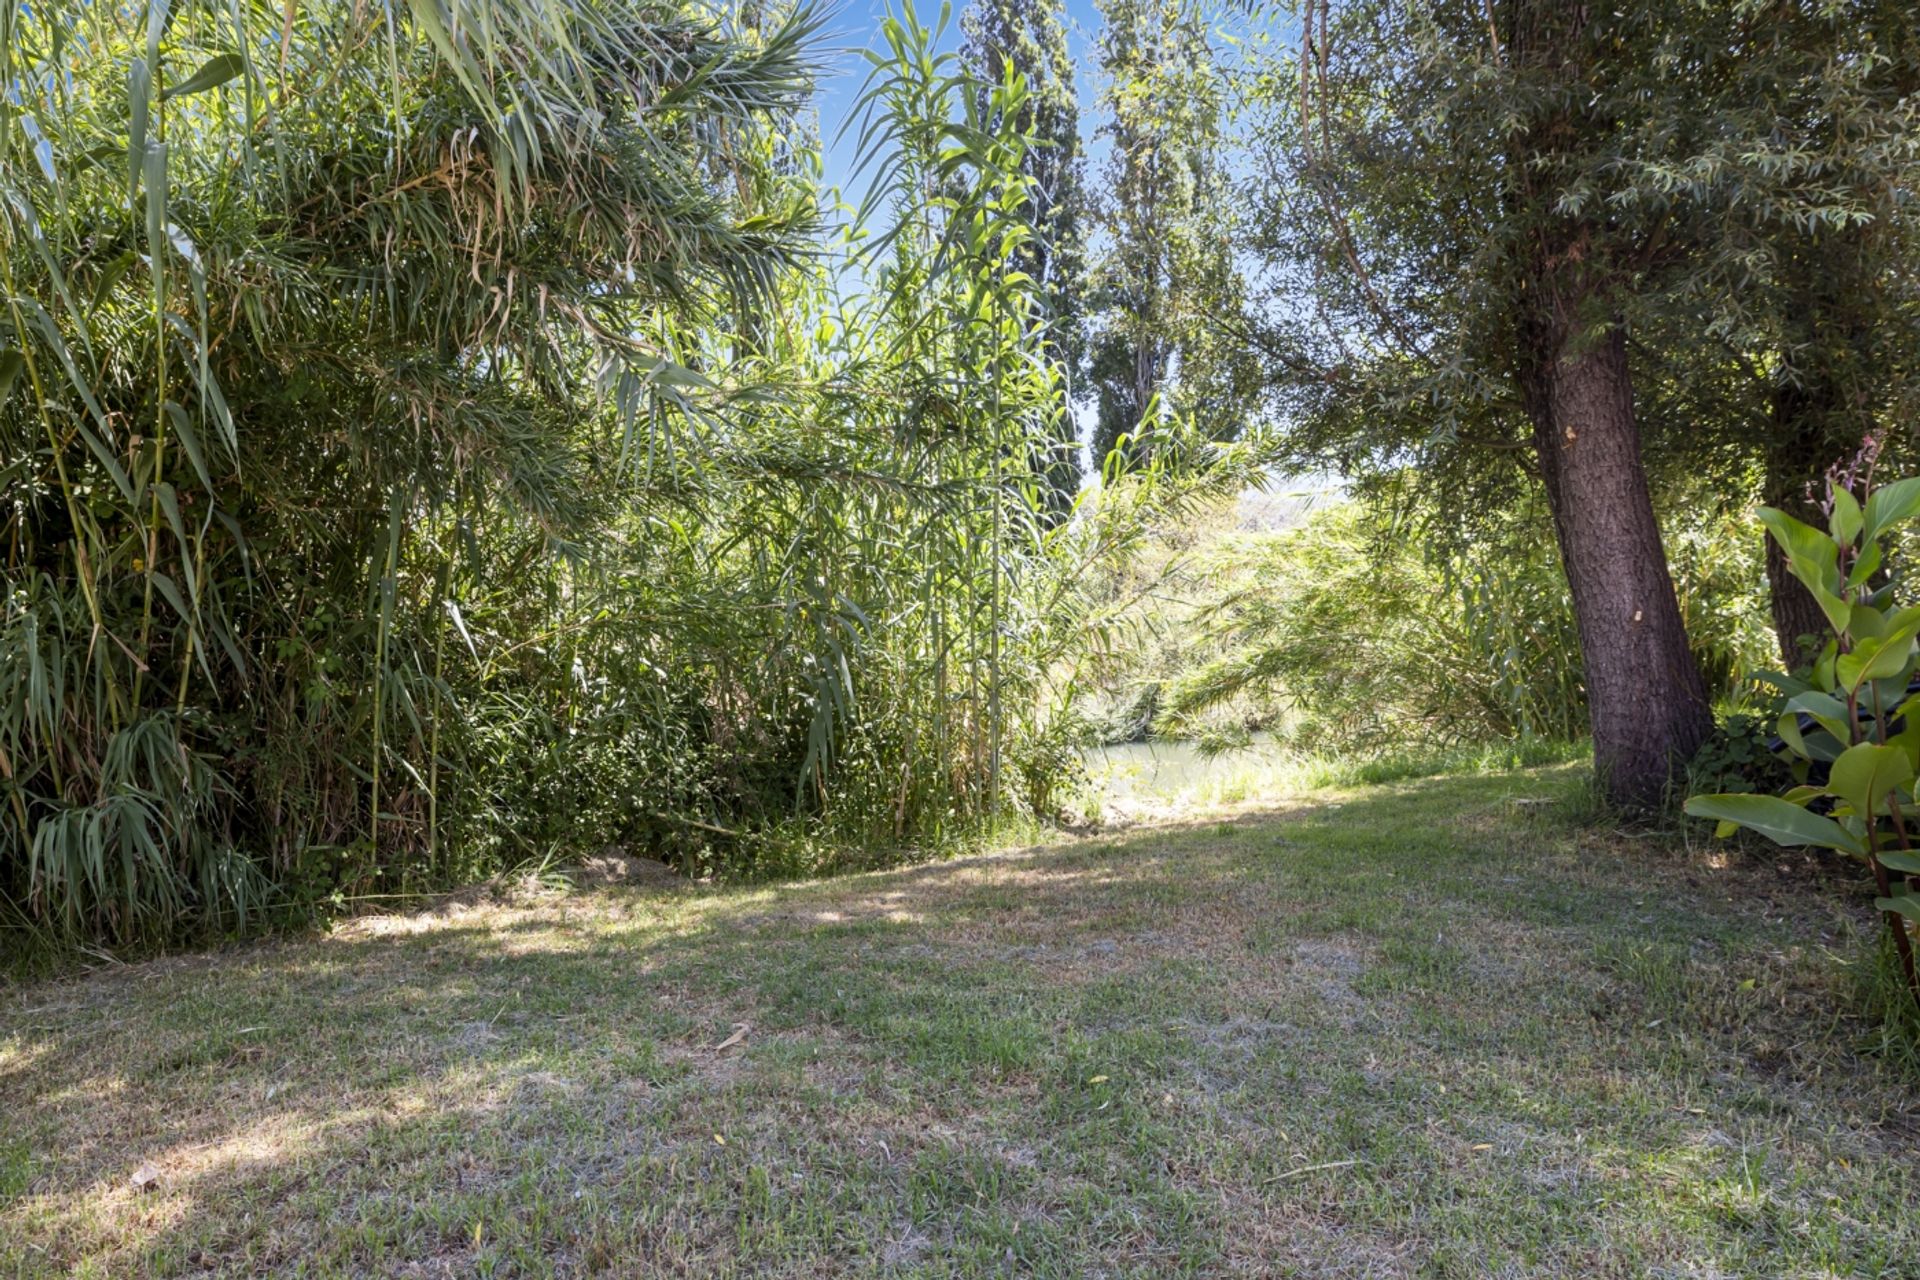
{"points": [[740, 1030], [145, 1178]]}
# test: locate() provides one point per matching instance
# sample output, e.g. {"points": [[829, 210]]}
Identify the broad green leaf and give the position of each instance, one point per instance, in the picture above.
{"points": [[1864, 564], [1880, 696], [1812, 557], [1865, 774], [1845, 521], [1776, 819], [1900, 860], [1804, 544], [1906, 904], [1828, 711], [1864, 621], [1876, 658], [1789, 729], [1890, 504], [1839, 612], [214, 72], [1823, 746], [1823, 666], [1907, 737]]}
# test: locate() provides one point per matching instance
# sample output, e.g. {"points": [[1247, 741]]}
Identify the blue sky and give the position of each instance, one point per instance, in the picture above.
{"points": [[856, 26]]}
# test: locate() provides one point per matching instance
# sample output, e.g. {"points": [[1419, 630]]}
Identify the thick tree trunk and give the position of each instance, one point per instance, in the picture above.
{"points": [[1822, 404], [1645, 698], [1795, 464]]}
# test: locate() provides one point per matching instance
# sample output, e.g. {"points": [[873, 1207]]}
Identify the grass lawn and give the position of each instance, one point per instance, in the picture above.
{"points": [[1417, 1029]]}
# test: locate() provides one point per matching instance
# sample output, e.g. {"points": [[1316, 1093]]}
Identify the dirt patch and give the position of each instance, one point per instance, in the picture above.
{"points": [[617, 867]]}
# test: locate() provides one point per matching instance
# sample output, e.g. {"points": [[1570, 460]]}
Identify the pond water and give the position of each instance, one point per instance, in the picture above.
{"points": [[1169, 769]]}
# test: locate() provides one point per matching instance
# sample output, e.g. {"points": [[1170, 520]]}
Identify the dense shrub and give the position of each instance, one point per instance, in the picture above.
{"points": [[440, 442], [1347, 632], [1739, 757], [1853, 742]]}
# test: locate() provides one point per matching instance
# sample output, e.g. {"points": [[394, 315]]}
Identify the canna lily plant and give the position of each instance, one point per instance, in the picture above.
{"points": [[1847, 726]]}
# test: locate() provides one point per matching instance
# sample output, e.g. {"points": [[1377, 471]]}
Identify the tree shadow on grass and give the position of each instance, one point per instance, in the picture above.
{"points": [[1359, 1039]]}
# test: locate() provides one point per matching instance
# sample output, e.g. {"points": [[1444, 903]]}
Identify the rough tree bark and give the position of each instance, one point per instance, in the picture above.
{"points": [[1798, 459], [1645, 699], [1821, 405]]}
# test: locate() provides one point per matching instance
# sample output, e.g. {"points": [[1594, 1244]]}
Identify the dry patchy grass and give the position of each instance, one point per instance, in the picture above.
{"points": [[1412, 1030]]}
